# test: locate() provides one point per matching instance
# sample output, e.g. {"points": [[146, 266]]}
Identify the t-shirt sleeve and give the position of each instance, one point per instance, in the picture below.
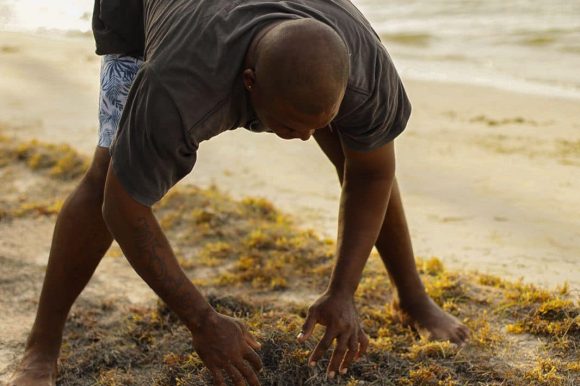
{"points": [[370, 119], [151, 152]]}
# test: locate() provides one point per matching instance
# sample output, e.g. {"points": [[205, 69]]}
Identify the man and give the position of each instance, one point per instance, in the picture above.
{"points": [[297, 68]]}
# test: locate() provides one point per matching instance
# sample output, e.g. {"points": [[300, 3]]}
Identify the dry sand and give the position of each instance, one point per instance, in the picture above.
{"points": [[490, 178]]}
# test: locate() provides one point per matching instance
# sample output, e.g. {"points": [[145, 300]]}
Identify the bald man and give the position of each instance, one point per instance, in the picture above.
{"points": [[297, 68]]}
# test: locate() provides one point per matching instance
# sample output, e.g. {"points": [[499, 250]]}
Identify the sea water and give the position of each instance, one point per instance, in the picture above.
{"points": [[524, 45]]}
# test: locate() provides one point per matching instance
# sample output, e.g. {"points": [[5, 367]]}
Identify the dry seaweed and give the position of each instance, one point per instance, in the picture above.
{"points": [[256, 264]]}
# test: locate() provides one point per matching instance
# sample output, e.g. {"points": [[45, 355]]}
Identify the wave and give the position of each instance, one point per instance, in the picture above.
{"points": [[422, 39]]}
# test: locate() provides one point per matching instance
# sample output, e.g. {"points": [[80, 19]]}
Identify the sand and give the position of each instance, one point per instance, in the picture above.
{"points": [[490, 178]]}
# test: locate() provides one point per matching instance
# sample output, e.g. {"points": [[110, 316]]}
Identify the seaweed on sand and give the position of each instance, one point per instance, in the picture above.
{"points": [[256, 264], [234, 250], [36, 177]]}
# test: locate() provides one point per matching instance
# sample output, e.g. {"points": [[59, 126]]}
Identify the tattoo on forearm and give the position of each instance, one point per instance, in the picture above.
{"points": [[147, 247], [171, 285]]}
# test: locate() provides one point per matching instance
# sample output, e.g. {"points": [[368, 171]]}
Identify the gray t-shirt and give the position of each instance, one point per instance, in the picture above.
{"points": [[190, 87]]}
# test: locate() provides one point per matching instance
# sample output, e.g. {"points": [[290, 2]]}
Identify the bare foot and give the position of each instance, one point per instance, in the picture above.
{"points": [[430, 321], [34, 371]]}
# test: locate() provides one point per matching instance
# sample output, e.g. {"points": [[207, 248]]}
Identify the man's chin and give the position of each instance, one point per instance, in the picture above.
{"points": [[284, 136]]}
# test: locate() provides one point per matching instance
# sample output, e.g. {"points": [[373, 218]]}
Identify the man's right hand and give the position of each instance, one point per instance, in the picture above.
{"points": [[225, 344]]}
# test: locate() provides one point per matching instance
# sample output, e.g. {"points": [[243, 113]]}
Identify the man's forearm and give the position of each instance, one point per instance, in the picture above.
{"points": [[362, 211], [151, 256], [147, 249], [366, 188]]}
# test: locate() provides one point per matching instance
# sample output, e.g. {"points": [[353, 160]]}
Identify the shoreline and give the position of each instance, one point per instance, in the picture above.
{"points": [[486, 174], [408, 65]]}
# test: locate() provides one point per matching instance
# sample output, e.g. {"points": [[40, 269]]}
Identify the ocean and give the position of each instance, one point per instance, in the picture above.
{"points": [[530, 46]]}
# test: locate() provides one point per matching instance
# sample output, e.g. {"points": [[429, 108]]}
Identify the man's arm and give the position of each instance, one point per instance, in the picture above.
{"points": [[222, 343], [368, 178]]}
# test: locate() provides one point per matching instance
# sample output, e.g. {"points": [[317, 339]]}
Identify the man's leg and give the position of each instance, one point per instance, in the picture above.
{"points": [[81, 237], [395, 248], [80, 240]]}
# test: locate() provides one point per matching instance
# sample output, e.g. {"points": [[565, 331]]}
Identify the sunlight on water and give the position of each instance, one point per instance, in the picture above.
{"points": [[527, 45]]}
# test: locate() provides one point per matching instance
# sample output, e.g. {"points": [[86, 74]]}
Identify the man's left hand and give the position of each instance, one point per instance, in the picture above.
{"points": [[338, 314]]}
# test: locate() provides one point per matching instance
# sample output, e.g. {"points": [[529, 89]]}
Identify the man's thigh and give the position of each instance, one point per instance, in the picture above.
{"points": [[117, 75]]}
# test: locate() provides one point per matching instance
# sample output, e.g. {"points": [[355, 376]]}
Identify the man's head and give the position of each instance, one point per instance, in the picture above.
{"points": [[299, 75]]}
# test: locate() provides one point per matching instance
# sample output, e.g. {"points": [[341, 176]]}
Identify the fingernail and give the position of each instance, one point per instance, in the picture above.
{"points": [[343, 371], [331, 375], [300, 336], [312, 363]]}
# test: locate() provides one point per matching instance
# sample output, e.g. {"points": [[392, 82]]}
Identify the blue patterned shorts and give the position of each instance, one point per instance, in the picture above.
{"points": [[117, 74]]}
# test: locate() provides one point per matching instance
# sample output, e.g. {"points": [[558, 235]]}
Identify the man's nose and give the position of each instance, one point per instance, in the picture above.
{"points": [[306, 136]]}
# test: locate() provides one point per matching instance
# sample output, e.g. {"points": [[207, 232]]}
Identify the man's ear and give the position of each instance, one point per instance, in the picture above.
{"points": [[249, 77]]}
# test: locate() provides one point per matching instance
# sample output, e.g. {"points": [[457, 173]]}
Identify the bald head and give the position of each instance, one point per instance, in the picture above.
{"points": [[305, 62]]}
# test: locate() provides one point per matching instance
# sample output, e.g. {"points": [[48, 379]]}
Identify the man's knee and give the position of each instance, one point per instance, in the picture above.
{"points": [[95, 177]]}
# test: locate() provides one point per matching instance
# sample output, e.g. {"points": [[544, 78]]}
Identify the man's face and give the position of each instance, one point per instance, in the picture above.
{"points": [[283, 119], [287, 122]]}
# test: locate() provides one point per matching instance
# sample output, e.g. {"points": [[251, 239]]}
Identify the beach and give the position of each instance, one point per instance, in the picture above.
{"points": [[489, 177]]}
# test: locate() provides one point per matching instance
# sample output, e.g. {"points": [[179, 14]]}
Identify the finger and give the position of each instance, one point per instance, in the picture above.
{"points": [[321, 347], [248, 337], [307, 327], [464, 331], [248, 373], [218, 378], [251, 341], [235, 376], [337, 356], [459, 338], [253, 359], [353, 344], [363, 341]]}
